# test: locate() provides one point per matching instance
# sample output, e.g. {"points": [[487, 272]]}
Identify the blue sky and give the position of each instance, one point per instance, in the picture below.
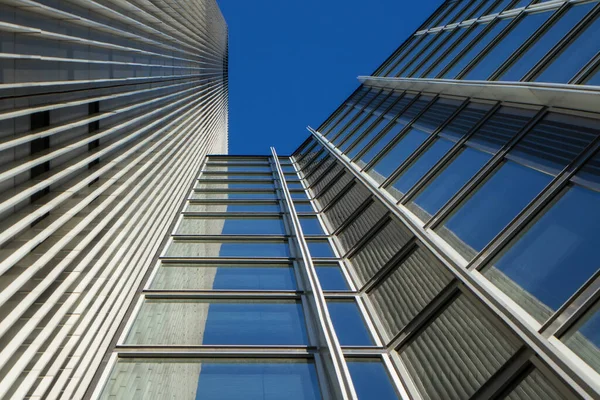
{"points": [[292, 62]]}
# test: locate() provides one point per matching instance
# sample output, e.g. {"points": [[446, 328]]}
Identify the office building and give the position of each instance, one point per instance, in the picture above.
{"points": [[432, 239]]}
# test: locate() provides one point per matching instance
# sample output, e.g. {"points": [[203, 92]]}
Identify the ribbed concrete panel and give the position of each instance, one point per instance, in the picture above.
{"points": [[107, 110]]}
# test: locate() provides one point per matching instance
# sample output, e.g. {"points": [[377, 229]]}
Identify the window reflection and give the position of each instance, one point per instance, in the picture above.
{"points": [[207, 248], [218, 322], [460, 46], [331, 277], [320, 248], [413, 173], [223, 277], [546, 41], [380, 143], [577, 53], [311, 226], [371, 380], [206, 195], [584, 338], [491, 207], [233, 207], [348, 323], [230, 226], [213, 379], [553, 257]]}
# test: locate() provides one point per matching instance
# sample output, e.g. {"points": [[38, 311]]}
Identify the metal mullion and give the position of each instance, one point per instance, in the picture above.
{"points": [[344, 388], [369, 115], [303, 146], [331, 183], [386, 128], [350, 103], [399, 136], [452, 153], [426, 59], [471, 282], [587, 70], [361, 111], [558, 13], [313, 156], [368, 236], [395, 59], [309, 164], [308, 147], [337, 197], [534, 208], [316, 168], [485, 171], [355, 214], [433, 137], [493, 21], [561, 45], [429, 45], [457, 41], [377, 121], [501, 35]]}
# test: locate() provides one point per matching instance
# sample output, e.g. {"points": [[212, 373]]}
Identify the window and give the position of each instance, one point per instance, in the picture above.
{"points": [[261, 178], [218, 322], [364, 141], [380, 143], [207, 248], [223, 277], [463, 41], [576, 54], [331, 277], [246, 185], [553, 257], [491, 207], [584, 338], [418, 168], [463, 60], [448, 181], [409, 142], [425, 39], [439, 37], [336, 129], [348, 323], [455, 34], [213, 379], [371, 380], [237, 168], [311, 226], [302, 207], [545, 42], [298, 195], [320, 248], [507, 45], [230, 226], [357, 133], [233, 207]]}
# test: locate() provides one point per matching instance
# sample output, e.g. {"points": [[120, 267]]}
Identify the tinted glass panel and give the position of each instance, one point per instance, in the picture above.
{"points": [[303, 207], [300, 195], [420, 167], [249, 185], [331, 278], [223, 277], [237, 168], [409, 142], [507, 45], [349, 324], [380, 144], [476, 49], [311, 226], [195, 379], [436, 55], [367, 139], [492, 207], [546, 41], [250, 177], [371, 380], [235, 196], [184, 248], [198, 322], [417, 50], [320, 248], [437, 193], [581, 50], [554, 257], [230, 226], [462, 44]]}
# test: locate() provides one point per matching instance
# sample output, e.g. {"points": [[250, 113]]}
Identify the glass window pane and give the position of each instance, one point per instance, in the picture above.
{"points": [[311, 226], [303, 207], [348, 323], [577, 53], [447, 182], [344, 146], [202, 195], [497, 202], [463, 60], [409, 142], [206, 248], [367, 139], [371, 380], [233, 207], [331, 277], [441, 49], [218, 322], [320, 248], [538, 384], [295, 185], [426, 39], [457, 353], [337, 128], [216, 379], [546, 41], [439, 37], [346, 132], [594, 79], [380, 144], [584, 338], [248, 177], [230, 226], [462, 44], [413, 173], [553, 257], [237, 168], [223, 277], [299, 195], [507, 45]]}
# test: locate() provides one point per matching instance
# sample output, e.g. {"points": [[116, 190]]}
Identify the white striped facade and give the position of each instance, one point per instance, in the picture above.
{"points": [[107, 110]]}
